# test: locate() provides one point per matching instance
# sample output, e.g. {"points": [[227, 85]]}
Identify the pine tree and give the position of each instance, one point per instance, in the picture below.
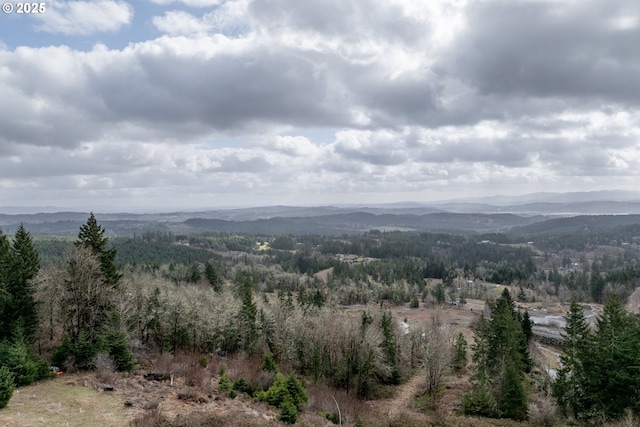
{"points": [[599, 377], [5, 297], [248, 324], [499, 364], [596, 283], [7, 385], [24, 263], [513, 399], [115, 343], [568, 388], [525, 338], [213, 277], [92, 236], [460, 353], [613, 363], [389, 347]]}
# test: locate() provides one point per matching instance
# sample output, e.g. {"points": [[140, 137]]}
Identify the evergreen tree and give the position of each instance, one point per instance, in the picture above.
{"points": [[527, 326], [460, 353], [499, 364], [7, 385], [92, 236], [18, 356], [248, 320], [613, 364], [527, 335], [596, 283], [568, 388], [194, 274], [115, 343], [24, 263], [522, 297], [389, 347], [599, 377], [5, 297], [513, 399], [213, 277], [439, 294]]}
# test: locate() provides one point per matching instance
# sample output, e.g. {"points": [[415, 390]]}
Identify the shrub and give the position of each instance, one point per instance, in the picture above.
{"points": [[224, 383], [543, 413], [480, 402], [115, 343], [43, 370], [269, 365], [288, 412], [241, 385], [105, 368], [287, 394], [151, 418], [6, 386], [332, 416], [296, 391], [203, 360]]}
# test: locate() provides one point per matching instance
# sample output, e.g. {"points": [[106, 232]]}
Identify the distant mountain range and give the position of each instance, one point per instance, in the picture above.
{"points": [[486, 215]]}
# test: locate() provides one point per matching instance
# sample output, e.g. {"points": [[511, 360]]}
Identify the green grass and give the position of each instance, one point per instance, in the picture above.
{"points": [[59, 402]]}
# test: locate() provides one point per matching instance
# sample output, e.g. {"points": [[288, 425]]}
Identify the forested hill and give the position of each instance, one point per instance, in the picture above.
{"points": [[360, 222], [323, 221], [334, 224], [576, 224]]}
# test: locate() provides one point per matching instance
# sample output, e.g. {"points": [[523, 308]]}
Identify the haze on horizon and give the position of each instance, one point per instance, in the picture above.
{"points": [[165, 105]]}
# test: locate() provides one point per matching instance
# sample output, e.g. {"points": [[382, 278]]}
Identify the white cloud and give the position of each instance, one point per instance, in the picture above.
{"points": [[408, 96], [85, 17], [190, 3], [179, 23]]}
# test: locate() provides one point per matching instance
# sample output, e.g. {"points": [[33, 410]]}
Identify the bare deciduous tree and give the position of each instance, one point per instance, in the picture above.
{"points": [[86, 298], [76, 295], [437, 351]]}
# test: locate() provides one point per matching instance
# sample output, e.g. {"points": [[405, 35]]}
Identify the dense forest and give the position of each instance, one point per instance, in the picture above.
{"points": [[319, 308]]}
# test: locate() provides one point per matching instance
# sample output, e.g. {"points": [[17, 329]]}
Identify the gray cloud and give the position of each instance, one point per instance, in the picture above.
{"points": [[420, 97], [551, 50]]}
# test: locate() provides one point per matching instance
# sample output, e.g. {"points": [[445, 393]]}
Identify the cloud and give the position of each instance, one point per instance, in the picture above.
{"points": [[85, 17], [408, 97], [190, 3], [550, 50], [180, 23]]}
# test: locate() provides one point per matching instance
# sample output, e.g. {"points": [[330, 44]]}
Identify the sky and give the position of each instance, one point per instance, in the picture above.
{"points": [[192, 104]]}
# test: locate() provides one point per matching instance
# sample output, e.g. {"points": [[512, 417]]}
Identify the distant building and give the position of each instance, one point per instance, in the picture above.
{"points": [[346, 257]]}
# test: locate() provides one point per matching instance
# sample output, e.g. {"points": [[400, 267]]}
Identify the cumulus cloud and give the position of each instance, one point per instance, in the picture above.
{"points": [[85, 17], [177, 22], [551, 50], [191, 3], [410, 98]]}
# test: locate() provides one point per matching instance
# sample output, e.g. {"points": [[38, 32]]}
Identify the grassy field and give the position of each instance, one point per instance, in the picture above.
{"points": [[64, 401]]}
